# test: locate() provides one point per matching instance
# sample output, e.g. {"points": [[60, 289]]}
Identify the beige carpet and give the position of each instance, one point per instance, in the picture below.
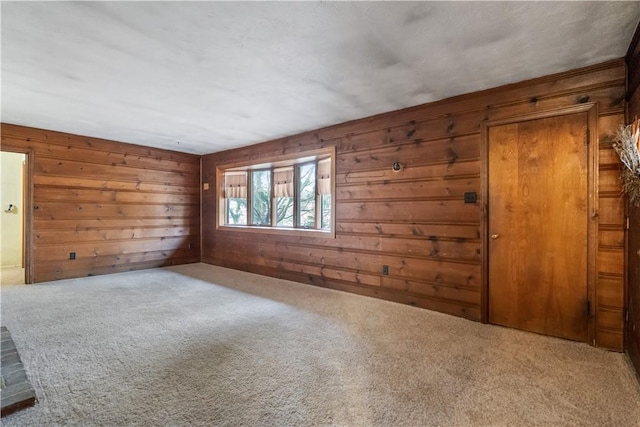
{"points": [[202, 345]]}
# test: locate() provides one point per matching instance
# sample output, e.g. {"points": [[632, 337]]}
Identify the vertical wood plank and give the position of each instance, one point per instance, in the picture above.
{"points": [[632, 302]]}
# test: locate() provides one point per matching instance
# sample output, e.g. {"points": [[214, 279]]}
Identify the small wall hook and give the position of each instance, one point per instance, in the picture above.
{"points": [[12, 208]]}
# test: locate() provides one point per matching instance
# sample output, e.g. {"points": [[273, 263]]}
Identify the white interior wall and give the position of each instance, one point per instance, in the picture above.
{"points": [[11, 222]]}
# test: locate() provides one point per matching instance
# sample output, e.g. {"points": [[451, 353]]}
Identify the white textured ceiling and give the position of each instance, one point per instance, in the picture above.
{"points": [[202, 77]]}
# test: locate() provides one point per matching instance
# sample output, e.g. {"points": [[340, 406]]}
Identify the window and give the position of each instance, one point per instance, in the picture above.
{"points": [[260, 197], [235, 184], [324, 189], [279, 195], [283, 193], [307, 195]]}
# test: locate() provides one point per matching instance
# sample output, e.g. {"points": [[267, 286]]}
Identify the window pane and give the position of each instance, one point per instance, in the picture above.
{"points": [[284, 211], [307, 196], [284, 193], [261, 197], [326, 212], [236, 211]]}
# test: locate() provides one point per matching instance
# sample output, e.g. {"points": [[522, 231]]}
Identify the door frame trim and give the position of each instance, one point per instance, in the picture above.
{"points": [[27, 211], [591, 109]]}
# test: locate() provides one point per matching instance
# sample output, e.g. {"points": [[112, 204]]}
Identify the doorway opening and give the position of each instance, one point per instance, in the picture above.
{"points": [[13, 203]]}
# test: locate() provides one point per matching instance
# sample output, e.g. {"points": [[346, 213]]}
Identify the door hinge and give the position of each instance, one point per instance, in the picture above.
{"points": [[587, 135], [627, 224], [588, 308], [626, 315]]}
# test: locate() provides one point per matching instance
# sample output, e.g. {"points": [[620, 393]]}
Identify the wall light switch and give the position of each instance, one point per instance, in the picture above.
{"points": [[205, 186], [471, 197]]}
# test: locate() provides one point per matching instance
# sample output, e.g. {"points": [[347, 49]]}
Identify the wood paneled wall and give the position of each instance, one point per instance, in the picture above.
{"points": [[118, 206], [633, 259], [416, 221]]}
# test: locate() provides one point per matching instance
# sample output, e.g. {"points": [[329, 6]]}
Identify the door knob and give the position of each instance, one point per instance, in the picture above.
{"points": [[494, 236]]}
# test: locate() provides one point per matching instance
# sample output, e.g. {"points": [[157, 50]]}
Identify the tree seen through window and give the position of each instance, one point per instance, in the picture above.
{"points": [[284, 196]]}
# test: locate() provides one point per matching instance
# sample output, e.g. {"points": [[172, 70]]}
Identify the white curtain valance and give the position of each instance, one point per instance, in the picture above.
{"points": [[235, 185], [324, 176], [283, 182]]}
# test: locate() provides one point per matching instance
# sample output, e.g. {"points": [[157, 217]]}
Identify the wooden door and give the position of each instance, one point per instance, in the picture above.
{"points": [[633, 304], [538, 224]]}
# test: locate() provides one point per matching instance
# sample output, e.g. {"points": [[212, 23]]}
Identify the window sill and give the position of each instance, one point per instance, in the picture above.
{"points": [[329, 234]]}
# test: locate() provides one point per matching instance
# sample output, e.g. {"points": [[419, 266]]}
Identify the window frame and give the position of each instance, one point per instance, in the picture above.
{"points": [[271, 163]]}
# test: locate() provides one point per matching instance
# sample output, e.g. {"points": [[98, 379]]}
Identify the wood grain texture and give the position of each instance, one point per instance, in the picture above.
{"points": [[538, 215], [632, 337], [118, 206], [416, 221]]}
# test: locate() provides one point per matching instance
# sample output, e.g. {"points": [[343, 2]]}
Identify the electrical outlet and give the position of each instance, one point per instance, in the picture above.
{"points": [[385, 270], [72, 255], [471, 197]]}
